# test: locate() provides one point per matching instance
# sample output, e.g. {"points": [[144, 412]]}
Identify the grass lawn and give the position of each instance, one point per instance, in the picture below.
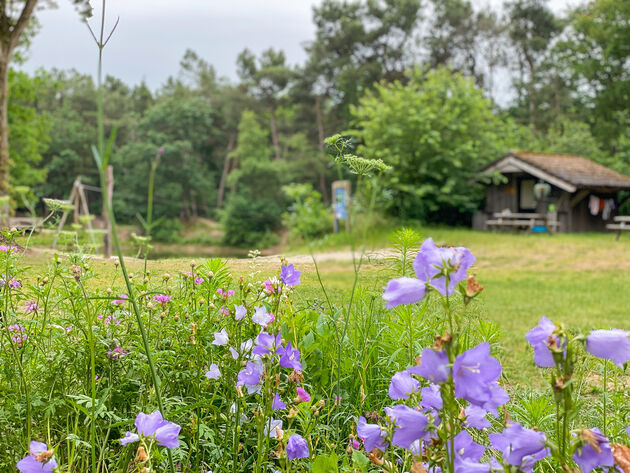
{"points": [[581, 280]]}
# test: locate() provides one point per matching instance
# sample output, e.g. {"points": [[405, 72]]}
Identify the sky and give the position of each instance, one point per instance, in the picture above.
{"points": [[152, 35]]}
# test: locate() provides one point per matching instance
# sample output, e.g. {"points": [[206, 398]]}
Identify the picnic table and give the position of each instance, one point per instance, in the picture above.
{"points": [[527, 221], [622, 223]]}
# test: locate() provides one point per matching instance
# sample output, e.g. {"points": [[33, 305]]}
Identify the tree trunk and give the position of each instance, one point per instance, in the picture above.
{"points": [[9, 38], [323, 186], [5, 57], [274, 132], [226, 168], [530, 92]]}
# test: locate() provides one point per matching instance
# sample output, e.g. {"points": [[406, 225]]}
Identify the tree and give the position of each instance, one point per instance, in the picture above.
{"points": [[532, 27], [14, 19], [595, 51], [266, 78], [255, 207], [437, 131], [358, 44], [466, 40]]}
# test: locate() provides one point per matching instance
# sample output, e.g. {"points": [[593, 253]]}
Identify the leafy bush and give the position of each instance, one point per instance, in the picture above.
{"points": [[249, 221], [307, 217], [167, 231]]}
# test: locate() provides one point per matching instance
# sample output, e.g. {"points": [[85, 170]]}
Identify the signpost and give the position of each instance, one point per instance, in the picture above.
{"points": [[341, 203]]}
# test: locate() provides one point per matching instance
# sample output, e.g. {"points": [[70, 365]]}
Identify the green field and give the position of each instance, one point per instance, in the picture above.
{"points": [[580, 280]]}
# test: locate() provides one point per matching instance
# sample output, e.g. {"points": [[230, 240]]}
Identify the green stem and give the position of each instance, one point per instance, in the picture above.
{"points": [[605, 394]]}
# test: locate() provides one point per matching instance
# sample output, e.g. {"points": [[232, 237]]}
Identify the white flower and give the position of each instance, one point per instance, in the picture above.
{"points": [[220, 338], [262, 317], [273, 428], [239, 312], [213, 372]]}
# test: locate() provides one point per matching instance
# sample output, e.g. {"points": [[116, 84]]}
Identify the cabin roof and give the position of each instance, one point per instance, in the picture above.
{"points": [[569, 172]]}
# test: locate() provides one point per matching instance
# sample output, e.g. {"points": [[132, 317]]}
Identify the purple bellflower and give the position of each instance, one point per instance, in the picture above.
{"points": [[277, 404], [430, 266], [290, 357], [433, 366], [410, 425], [373, 435], [297, 447], [39, 460], [290, 276], [475, 373], [476, 417], [595, 452], [402, 385], [610, 344], [250, 376], [239, 312], [154, 426], [538, 338], [520, 447], [266, 343], [213, 372]]}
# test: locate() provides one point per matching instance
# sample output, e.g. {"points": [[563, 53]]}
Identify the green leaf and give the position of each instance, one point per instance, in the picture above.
{"points": [[325, 464], [360, 460]]}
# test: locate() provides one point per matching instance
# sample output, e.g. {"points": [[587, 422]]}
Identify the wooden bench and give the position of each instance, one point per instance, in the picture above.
{"points": [[522, 221], [622, 223]]}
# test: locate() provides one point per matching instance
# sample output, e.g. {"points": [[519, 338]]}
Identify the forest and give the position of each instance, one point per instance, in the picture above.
{"points": [[435, 89]]}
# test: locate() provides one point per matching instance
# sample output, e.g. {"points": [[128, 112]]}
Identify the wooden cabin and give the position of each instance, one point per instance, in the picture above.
{"points": [[570, 193]]}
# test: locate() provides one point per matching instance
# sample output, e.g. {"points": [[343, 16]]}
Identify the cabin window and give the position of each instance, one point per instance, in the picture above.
{"points": [[527, 200]]}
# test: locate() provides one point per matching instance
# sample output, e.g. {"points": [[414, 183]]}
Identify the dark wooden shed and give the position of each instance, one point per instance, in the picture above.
{"points": [[580, 194]]}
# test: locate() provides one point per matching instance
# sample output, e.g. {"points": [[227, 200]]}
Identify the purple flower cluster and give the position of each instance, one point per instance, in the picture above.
{"points": [[153, 426], [31, 306], [162, 299], [520, 447], [433, 266]]}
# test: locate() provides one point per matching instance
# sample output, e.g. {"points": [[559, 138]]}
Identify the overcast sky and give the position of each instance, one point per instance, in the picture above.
{"points": [[153, 35]]}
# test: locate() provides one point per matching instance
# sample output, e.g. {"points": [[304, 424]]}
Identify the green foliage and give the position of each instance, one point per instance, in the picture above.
{"points": [[436, 132], [255, 206], [29, 132], [185, 176], [595, 53], [168, 230], [308, 217]]}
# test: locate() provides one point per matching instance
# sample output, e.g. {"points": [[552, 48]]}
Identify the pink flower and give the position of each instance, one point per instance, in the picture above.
{"points": [[302, 396], [121, 301], [31, 306], [198, 280], [163, 299]]}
